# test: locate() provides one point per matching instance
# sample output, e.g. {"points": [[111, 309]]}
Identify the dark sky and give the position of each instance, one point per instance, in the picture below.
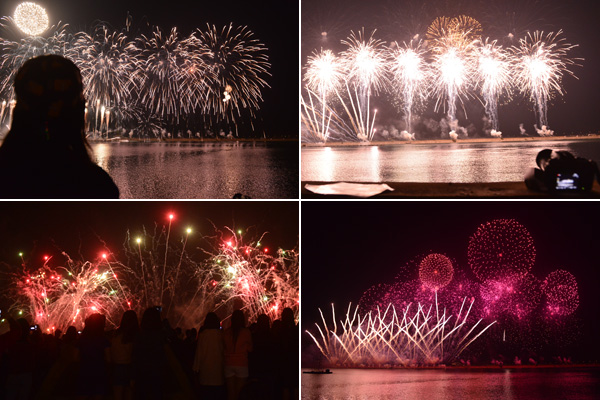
{"points": [[349, 246], [400, 20], [275, 23], [46, 228]]}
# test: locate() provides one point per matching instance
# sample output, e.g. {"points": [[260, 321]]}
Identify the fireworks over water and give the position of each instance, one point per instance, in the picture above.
{"points": [[453, 69], [438, 312], [141, 83]]}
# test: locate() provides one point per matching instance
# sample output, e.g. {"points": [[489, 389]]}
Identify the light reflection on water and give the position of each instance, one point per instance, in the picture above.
{"points": [[201, 170], [347, 384], [451, 162]]}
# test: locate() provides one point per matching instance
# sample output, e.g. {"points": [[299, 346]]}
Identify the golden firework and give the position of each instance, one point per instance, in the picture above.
{"points": [[457, 31]]}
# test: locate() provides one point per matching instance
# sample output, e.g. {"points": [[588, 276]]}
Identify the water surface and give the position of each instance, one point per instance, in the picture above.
{"points": [[448, 162], [201, 169], [503, 384]]}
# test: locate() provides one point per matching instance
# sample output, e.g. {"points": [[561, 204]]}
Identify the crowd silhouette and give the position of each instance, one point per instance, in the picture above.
{"points": [[151, 360]]}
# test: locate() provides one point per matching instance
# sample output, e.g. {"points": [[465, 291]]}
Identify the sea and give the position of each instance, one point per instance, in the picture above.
{"points": [[201, 170], [466, 162], [454, 384]]}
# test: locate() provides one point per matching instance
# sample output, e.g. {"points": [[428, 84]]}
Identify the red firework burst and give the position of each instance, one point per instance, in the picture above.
{"points": [[436, 271]]}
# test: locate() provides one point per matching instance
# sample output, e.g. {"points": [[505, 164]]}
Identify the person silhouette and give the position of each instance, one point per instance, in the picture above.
{"points": [[45, 153]]}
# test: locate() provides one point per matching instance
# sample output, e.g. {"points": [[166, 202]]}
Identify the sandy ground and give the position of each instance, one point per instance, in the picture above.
{"points": [[497, 190]]}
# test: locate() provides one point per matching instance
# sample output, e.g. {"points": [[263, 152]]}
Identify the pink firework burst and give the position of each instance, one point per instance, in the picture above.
{"points": [[562, 296], [501, 248], [515, 295], [436, 271]]}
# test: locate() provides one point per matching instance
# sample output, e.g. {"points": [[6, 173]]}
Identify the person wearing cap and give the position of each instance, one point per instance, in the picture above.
{"points": [[45, 153]]}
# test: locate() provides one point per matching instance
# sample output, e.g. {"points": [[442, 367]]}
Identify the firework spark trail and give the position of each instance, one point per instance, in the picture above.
{"points": [[310, 117], [323, 75], [312, 120], [387, 338], [410, 76], [364, 64], [540, 62], [493, 66]]}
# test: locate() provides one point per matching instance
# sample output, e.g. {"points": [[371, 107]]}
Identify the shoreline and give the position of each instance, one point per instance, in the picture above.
{"points": [[190, 140], [475, 367], [450, 141]]}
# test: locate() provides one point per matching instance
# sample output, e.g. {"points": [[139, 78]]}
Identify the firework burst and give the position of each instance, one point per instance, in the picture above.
{"points": [[541, 62], [493, 66], [108, 68], [435, 271], [31, 18], [562, 296], [364, 64], [501, 248], [57, 297], [239, 65], [410, 76], [323, 75]]}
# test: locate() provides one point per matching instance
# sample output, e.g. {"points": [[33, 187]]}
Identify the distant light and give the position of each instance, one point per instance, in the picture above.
{"points": [[45, 258], [21, 254], [189, 230], [171, 216], [239, 231], [103, 255], [138, 240]]}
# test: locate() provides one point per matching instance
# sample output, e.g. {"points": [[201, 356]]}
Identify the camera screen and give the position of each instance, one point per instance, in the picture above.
{"points": [[567, 182]]}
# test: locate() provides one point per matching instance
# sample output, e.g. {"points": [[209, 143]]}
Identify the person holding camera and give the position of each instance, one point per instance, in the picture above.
{"points": [[560, 171]]}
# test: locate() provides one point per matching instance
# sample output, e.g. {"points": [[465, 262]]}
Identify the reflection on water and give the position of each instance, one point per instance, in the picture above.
{"points": [[538, 384], [201, 170], [451, 162]]}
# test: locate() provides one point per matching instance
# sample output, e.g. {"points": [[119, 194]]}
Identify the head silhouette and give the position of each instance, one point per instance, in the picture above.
{"points": [[543, 157], [50, 108], [46, 149], [211, 321]]}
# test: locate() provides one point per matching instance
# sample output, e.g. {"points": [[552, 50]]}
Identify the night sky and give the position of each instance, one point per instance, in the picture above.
{"points": [[349, 246], [274, 23], [575, 112], [86, 229]]}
